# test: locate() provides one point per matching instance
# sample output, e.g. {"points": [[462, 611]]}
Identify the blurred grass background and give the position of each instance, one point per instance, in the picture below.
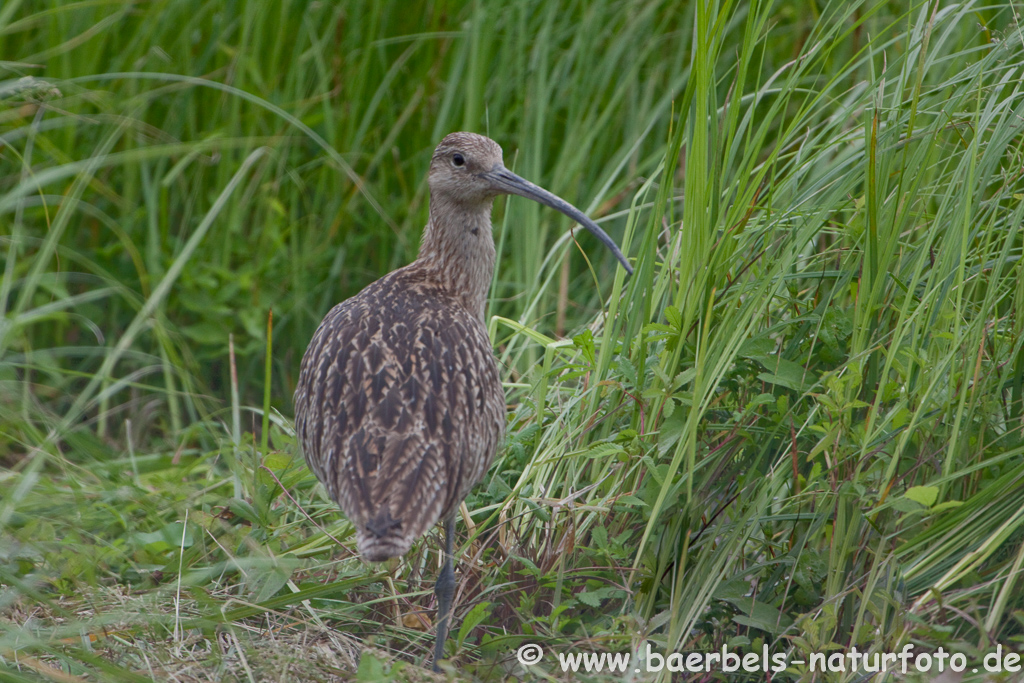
{"points": [[799, 423]]}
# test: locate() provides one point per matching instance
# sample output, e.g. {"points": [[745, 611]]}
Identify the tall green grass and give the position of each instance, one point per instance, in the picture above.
{"points": [[799, 423]]}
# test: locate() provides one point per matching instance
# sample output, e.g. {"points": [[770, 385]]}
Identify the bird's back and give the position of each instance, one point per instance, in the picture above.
{"points": [[399, 408]]}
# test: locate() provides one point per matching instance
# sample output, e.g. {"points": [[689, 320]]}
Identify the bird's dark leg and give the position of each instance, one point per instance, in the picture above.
{"points": [[445, 591]]}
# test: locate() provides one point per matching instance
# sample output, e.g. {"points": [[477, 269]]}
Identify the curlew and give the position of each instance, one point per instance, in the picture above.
{"points": [[399, 407]]}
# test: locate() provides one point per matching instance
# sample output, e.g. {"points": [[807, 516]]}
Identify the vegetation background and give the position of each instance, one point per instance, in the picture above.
{"points": [[799, 424]]}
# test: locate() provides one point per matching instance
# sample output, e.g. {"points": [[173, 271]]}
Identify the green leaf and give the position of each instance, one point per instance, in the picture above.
{"points": [[584, 341], [542, 513], [738, 642], [786, 373], [836, 326], [275, 579], [772, 378], [760, 400], [627, 370], [760, 615], [602, 450], [279, 461], [370, 669], [166, 538], [664, 330], [684, 378], [925, 495], [672, 428], [474, 618], [904, 504], [674, 317], [756, 348], [734, 588], [244, 509], [946, 505]]}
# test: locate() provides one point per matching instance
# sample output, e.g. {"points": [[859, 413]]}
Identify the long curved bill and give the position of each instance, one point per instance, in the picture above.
{"points": [[507, 182]]}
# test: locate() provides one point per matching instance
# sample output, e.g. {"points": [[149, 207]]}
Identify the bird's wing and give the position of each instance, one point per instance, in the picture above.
{"points": [[399, 411]]}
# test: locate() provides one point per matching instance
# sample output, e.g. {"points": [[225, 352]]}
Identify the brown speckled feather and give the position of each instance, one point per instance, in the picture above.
{"points": [[399, 408]]}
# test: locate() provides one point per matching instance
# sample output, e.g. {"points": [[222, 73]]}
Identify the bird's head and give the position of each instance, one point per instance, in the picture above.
{"points": [[459, 168], [467, 170]]}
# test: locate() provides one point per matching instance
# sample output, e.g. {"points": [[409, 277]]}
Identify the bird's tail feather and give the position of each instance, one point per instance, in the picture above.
{"points": [[381, 537]]}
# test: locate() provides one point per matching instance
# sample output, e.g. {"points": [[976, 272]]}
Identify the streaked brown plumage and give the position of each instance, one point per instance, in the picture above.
{"points": [[399, 407]]}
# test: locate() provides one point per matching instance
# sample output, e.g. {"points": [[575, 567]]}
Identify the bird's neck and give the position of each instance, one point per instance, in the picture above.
{"points": [[458, 250]]}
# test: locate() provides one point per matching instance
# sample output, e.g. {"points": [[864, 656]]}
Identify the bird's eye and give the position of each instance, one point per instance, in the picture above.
{"points": [[458, 159]]}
